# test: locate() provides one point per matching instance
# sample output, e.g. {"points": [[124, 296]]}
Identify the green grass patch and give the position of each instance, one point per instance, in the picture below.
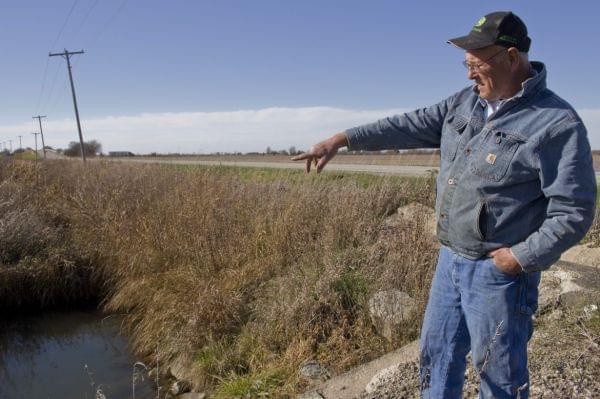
{"points": [[252, 386]]}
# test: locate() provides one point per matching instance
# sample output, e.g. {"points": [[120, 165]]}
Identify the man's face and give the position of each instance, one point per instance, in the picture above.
{"points": [[493, 73]]}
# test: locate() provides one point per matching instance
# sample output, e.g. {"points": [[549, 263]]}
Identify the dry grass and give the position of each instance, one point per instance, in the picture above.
{"points": [[250, 276], [246, 274]]}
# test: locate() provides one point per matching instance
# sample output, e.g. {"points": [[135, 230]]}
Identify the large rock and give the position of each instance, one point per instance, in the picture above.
{"points": [[179, 368], [314, 372], [382, 378], [414, 212], [179, 387], [388, 309], [583, 255], [352, 383]]}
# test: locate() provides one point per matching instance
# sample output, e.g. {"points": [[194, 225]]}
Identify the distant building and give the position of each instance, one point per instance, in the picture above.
{"points": [[120, 154]]}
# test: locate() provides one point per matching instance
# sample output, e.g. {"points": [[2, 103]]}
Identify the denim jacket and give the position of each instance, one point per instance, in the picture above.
{"points": [[522, 178]]}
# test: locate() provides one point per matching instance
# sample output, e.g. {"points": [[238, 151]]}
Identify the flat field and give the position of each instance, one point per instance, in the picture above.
{"points": [[240, 274]]}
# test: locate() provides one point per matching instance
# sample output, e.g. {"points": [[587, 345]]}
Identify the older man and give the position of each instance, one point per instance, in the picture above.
{"points": [[516, 188]]}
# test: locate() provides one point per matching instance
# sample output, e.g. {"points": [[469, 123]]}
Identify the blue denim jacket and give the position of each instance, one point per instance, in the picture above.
{"points": [[522, 179]]}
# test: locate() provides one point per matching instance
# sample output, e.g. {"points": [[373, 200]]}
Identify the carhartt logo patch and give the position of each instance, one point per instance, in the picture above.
{"points": [[491, 158]]}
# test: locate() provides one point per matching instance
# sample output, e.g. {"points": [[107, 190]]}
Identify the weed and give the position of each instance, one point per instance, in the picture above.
{"points": [[248, 272]]}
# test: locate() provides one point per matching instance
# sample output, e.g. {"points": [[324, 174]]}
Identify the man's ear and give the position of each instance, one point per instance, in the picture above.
{"points": [[514, 58]]}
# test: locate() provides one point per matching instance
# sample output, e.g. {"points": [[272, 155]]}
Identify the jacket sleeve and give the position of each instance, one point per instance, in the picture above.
{"points": [[569, 184], [421, 128]]}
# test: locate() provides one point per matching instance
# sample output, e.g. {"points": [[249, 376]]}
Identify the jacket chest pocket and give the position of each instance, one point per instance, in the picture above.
{"points": [[451, 136], [495, 154]]}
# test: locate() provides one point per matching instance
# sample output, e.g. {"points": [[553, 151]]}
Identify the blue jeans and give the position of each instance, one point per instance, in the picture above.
{"points": [[473, 306]]}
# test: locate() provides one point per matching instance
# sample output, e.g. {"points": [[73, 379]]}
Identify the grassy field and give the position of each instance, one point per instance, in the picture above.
{"points": [[250, 272], [245, 272]]}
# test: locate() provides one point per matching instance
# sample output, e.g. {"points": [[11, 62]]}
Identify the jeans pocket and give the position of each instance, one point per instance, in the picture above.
{"points": [[499, 273], [527, 305]]}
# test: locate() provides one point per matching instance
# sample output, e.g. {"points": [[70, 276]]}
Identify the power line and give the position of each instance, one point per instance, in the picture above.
{"points": [[87, 14], [58, 99], [37, 106], [64, 24], [107, 23], [52, 85]]}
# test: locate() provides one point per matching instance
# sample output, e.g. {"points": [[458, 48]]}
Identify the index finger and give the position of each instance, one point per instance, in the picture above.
{"points": [[300, 157]]}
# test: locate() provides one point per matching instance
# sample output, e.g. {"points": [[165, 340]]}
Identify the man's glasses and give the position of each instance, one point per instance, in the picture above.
{"points": [[476, 67]]}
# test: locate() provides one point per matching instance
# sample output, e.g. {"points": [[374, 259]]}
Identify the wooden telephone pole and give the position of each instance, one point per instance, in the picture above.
{"points": [[67, 55], [39, 118]]}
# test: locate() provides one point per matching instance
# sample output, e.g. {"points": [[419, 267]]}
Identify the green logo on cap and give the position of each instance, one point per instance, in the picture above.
{"points": [[480, 22]]}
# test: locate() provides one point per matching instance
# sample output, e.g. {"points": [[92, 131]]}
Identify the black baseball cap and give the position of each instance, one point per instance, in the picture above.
{"points": [[501, 27]]}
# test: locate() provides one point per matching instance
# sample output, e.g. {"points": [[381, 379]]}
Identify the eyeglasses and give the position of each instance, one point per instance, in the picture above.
{"points": [[476, 67]]}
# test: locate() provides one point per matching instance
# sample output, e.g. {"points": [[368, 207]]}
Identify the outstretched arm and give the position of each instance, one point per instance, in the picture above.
{"points": [[421, 128]]}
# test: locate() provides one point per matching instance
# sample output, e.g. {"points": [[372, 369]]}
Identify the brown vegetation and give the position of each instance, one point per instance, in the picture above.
{"points": [[247, 275]]}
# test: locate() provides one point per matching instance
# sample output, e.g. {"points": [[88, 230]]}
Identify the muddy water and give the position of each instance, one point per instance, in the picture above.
{"points": [[65, 356]]}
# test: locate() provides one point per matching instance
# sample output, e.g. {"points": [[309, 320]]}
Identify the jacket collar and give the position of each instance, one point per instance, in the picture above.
{"points": [[530, 86]]}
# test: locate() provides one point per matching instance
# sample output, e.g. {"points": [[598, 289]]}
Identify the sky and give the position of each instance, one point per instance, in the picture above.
{"points": [[224, 76]]}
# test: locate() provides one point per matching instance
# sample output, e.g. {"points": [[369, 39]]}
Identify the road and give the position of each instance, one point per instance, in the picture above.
{"points": [[382, 169]]}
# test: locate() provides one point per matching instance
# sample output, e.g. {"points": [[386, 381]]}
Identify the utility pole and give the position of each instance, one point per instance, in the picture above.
{"points": [[39, 118], [36, 154], [20, 144], [67, 55]]}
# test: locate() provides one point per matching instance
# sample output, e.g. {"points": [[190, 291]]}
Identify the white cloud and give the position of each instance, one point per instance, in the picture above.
{"points": [[205, 132]]}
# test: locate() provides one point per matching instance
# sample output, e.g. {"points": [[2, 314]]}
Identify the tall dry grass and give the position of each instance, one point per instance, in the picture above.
{"points": [[246, 277]]}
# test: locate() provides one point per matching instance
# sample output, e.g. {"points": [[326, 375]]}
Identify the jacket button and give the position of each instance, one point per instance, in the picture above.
{"points": [[468, 151], [451, 182]]}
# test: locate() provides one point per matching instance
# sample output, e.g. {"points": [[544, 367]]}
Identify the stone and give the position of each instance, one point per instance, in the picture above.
{"points": [[380, 379], [582, 254], [415, 210], [179, 387], [388, 309], [589, 311], [178, 368], [313, 371], [567, 283]]}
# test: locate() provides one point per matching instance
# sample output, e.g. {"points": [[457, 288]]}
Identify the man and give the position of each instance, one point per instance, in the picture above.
{"points": [[516, 188]]}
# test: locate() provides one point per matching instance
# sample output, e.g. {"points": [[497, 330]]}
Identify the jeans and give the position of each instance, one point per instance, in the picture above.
{"points": [[473, 306]]}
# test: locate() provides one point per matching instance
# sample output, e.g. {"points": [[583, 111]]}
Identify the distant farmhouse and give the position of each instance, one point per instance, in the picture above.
{"points": [[120, 154]]}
